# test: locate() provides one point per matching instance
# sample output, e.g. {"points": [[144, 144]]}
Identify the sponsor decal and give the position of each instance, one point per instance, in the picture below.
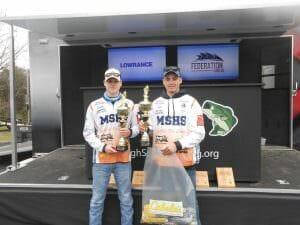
{"points": [[99, 107], [159, 111], [106, 137], [161, 139], [207, 62], [222, 117], [159, 103]]}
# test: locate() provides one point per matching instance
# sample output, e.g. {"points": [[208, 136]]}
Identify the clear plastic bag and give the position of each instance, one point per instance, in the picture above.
{"points": [[168, 192]]}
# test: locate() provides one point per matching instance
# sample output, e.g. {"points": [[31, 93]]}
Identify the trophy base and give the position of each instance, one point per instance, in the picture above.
{"points": [[122, 148], [145, 140]]}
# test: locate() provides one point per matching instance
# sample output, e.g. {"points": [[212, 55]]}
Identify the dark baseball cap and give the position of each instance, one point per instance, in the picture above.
{"points": [[171, 69]]}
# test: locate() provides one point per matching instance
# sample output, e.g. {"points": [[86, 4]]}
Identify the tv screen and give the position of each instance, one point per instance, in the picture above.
{"points": [[138, 64], [208, 62]]}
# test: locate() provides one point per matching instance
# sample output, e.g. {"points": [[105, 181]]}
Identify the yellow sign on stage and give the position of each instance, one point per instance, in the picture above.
{"points": [[225, 177], [138, 179], [202, 179]]}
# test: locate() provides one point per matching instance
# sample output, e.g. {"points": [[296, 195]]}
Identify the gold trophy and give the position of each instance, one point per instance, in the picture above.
{"points": [[144, 108], [123, 112]]}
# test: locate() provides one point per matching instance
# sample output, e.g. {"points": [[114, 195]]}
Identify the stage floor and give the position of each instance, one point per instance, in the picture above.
{"points": [[279, 170], [53, 189]]}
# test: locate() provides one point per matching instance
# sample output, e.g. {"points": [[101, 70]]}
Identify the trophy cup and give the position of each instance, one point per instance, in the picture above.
{"points": [[144, 108], [122, 113]]}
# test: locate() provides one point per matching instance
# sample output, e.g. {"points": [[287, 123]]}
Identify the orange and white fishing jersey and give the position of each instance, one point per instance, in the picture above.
{"points": [[178, 119], [101, 127]]}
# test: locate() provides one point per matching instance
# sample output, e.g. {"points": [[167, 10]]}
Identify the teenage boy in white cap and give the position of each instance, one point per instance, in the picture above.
{"points": [[102, 132]]}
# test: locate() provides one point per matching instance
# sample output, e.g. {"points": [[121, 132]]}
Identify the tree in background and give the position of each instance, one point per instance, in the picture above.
{"points": [[21, 108], [4, 46], [4, 95], [20, 75]]}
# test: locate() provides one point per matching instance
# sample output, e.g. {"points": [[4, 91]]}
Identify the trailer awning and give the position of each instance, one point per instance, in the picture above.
{"points": [[174, 26]]}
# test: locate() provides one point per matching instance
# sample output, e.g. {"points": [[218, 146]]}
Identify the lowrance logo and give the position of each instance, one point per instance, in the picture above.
{"points": [[136, 64]]}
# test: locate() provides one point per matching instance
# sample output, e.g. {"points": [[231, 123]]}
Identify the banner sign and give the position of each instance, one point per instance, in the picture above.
{"points": [[138, 64], [209, 62]]}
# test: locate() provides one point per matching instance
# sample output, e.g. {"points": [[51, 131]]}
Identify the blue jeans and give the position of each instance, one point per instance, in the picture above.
{"points": [[101, 175], [192, 174]]}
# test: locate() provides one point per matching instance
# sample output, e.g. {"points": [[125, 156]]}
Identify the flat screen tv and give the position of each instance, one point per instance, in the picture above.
{"points": [[208, 62], [138, 64]]}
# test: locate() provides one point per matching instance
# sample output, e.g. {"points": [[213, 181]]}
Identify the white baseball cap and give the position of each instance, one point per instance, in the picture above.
{"points": [[112, 73]]}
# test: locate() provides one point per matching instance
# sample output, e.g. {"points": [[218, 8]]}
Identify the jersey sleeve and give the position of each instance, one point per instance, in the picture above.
{"points": [[89, 131], [195, 125]]}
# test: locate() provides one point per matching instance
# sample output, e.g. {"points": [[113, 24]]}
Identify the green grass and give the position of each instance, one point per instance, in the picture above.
{"points": [[5, 135]]}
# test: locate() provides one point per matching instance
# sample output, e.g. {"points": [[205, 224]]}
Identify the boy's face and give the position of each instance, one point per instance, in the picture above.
{"points": [[113, 86], [172, 83]]}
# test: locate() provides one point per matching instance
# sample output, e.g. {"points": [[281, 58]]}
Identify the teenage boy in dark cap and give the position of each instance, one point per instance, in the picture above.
{"points": [[178, 118]]}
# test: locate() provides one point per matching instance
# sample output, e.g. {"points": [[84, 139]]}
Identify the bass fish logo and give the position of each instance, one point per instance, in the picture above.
{"points": [[222, 117]]}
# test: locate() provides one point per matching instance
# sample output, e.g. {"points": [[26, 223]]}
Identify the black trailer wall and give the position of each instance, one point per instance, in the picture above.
{"points": [[276, 116], [83, 66], [226, 151], [267, 110]]}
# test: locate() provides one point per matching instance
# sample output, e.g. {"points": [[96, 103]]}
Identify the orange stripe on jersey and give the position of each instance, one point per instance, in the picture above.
{"points": [[200, 121]]}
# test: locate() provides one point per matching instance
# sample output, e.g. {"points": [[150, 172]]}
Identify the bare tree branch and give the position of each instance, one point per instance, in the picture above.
{"points": [[4, 46]]}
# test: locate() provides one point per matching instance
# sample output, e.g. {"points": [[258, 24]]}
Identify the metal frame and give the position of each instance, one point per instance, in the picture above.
{"points": [[62, 144], [14, 153], [291, 94], [88, 187]]}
